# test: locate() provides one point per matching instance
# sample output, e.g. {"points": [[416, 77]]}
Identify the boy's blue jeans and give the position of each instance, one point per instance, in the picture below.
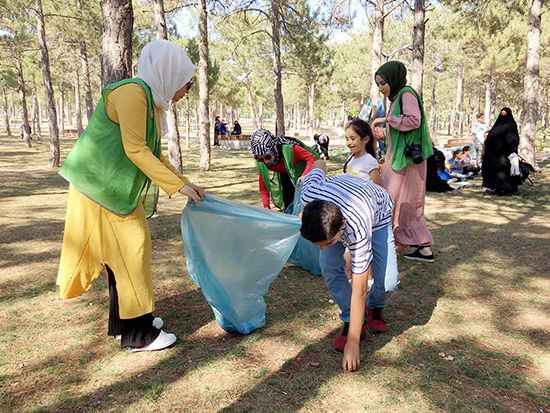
{"points": [[384, 271]]}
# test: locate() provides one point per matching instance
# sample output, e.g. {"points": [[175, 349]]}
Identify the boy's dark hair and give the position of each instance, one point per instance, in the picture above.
{"points": [[363, 129], [321, 221], [466, 148], [479, 115]]}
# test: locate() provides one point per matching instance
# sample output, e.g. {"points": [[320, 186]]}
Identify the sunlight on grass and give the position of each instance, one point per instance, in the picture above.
{"points": [[483, 304]]}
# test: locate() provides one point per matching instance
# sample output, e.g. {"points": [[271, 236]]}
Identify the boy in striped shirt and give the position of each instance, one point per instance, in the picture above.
{"points": [[346, 211]]}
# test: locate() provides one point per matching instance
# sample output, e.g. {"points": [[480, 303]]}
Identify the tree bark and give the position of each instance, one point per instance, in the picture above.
{"points": [[188, 135], [87, 84], [116, 44], [23, 104], [252, 106], [376, 58], [37, 129], [459, 107], [418, 45], [6, 112], [311, 110], [50, 98], [172, 134], [530, 84], [490, 95], [277, 68], [62, 108], [204, 121], [433, 108], [77, 103]]}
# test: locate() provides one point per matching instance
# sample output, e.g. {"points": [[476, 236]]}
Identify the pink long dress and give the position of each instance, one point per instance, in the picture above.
{"points": [[407, 187]]}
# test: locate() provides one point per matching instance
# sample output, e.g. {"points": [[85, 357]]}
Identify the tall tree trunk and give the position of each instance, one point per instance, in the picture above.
{"points": [[343, 117], [277, 68], [6, 112], [86, 77], [62, 108], [77, 103], [36, 116], [530, 84], [311, 110], [204, 121], [490, 96], [23, 104], [418, 45], [50, 98], [376, 58], [252, 106], [545, 110], [173, 134], [433, 108], [116, 44], [188, 135], [33, 110], [459, 107]]}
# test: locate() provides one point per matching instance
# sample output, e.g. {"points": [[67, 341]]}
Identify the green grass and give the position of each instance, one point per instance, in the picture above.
{"points": [[484, 302]]}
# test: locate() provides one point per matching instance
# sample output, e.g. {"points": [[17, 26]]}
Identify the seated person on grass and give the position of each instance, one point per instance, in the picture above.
{"points": [[346, 211], [466, 161]]}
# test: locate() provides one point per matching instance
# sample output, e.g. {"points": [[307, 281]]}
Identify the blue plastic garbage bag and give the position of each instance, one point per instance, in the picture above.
{"points": [[306, 253], [234, 252]]}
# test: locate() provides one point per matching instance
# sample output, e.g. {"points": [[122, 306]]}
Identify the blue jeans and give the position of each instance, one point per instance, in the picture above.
{"points": [[384, 271]]}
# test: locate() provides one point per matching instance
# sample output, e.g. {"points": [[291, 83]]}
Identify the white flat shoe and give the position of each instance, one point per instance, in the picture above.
{"points": [[161, 342], [158, 322]]}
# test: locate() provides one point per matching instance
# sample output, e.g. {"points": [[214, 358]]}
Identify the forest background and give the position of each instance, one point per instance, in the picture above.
{"points": [[297, 67]]}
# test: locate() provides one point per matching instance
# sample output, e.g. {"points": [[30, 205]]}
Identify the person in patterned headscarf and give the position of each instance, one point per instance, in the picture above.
{"points": [[289, 158]]}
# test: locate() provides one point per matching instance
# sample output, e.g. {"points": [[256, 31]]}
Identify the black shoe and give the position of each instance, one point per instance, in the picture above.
{"points": [[417, 255]]}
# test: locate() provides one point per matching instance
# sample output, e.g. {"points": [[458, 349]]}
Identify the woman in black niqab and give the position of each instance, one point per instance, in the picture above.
{"points": [[502, 140]]}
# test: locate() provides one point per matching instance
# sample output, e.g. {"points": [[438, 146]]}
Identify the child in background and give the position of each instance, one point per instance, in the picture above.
{"points": [[362, 161], [466, 161]]}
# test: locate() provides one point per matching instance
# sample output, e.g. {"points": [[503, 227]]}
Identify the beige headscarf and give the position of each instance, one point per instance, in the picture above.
{"points": [[166, 68]]}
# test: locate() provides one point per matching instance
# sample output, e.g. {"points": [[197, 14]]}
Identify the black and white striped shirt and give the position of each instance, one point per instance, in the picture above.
{"points": [[366, 207]]}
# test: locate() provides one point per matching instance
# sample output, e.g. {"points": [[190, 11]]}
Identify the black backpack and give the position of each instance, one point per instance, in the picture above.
{"points": [[525, 169]]}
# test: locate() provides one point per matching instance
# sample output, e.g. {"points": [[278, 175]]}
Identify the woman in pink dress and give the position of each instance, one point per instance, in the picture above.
{"points": [[404, 173]]}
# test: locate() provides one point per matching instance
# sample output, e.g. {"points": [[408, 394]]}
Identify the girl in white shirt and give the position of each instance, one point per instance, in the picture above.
{"points": [[362, 161]]}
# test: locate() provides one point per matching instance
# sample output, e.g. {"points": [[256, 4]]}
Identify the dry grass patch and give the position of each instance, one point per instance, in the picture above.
{"points": [[469, 333]]}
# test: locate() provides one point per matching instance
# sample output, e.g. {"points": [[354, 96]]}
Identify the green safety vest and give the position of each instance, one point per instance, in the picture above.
{"points": [[98, 167], [400, 139], [294, 170]]}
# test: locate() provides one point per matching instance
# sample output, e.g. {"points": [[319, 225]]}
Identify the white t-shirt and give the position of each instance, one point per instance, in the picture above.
{"points": [[362, 166]]}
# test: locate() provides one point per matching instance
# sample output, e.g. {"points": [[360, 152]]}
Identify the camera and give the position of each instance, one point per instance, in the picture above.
{"points": [[414, 151]]}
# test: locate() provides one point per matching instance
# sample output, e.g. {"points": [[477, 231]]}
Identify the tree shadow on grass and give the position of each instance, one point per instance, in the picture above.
{"points": [[462, 374], [184, 314], [301, 378]]}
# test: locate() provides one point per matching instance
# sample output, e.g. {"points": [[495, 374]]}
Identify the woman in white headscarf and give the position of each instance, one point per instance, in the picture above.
{"points": [[113, 169]]}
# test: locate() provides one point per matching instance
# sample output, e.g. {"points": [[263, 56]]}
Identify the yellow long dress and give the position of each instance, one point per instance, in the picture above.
{"points": [[95, 236]]}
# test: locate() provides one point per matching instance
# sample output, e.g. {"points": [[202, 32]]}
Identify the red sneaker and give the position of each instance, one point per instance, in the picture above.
{"points": [[375, 320], [339, 342]]}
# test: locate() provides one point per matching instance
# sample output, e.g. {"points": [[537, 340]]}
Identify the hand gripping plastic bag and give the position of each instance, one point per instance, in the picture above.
{"points": [[306, 253], [234, 252]]}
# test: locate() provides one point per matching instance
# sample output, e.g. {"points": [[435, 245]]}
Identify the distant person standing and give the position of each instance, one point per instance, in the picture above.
{"points": [[217, 125], [479, 130], [502, 140]]}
